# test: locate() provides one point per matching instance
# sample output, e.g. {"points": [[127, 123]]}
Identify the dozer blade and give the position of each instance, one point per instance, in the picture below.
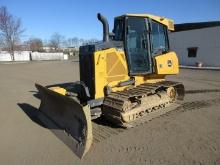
{"points": [[70, 116]]}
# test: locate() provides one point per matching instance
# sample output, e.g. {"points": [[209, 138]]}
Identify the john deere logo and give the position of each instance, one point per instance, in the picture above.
{"points": [[169, 63]]}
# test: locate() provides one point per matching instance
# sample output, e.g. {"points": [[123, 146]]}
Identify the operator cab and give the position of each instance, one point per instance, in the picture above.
{"points": [[143, 38]]}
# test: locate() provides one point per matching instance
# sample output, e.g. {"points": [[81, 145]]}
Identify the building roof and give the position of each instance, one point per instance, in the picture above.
{"points": [[196, 25]]}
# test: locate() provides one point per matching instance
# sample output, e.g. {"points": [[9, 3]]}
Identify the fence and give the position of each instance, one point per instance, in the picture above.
{"points": [[46, 56], [5, 56], [35, 56]]}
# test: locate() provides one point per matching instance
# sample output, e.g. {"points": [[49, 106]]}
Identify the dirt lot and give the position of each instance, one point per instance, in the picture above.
{"points": [[188, 135]]}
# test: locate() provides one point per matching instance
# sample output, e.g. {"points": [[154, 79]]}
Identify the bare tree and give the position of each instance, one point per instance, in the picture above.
{"points": [[81, 41], [10, 30], [68, 42], [75, 42], [35, 44], [56, 41], [92, 41], [72, 42], [89, 41]]}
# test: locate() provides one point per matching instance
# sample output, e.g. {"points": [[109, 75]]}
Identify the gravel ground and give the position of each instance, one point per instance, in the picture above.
{"points": [[187, 135]]}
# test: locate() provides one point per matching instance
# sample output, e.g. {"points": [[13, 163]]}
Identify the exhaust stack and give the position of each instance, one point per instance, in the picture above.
{"points": [[104, 22]]}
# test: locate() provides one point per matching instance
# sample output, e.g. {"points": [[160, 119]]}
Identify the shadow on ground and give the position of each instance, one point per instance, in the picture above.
{"points": [[39, 118], [32, 113], [102, 121]]}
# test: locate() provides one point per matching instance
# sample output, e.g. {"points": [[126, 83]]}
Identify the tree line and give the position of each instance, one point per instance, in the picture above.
{"points": [[12, 30], [57, 42]]}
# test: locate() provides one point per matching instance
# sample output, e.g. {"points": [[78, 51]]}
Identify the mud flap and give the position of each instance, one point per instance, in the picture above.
{"points": [[70, 116]]}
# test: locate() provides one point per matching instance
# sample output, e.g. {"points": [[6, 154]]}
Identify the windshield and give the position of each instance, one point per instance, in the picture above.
{"points": [[137, 45]]}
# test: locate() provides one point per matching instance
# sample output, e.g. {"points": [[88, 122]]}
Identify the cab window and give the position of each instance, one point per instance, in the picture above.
{"points": [[159, 38], [118, 30]]}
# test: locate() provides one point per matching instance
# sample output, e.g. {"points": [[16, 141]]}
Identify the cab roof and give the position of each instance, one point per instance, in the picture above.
{"points": [[165, 21]]}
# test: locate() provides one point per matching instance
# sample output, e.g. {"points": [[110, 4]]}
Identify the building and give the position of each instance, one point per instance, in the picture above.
{"points": [[197, 43]]}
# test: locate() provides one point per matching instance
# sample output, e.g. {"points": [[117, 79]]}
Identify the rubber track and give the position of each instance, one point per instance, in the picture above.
{"points": [[115, 103]]}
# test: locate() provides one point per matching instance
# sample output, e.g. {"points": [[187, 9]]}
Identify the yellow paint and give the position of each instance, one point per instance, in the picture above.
{"points": [[111, 68], [59, 90], [153, 78], [167, 64], [165, 21]]}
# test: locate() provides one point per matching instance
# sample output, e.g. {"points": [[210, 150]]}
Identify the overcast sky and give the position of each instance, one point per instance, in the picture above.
{"points": [[77, 18]]}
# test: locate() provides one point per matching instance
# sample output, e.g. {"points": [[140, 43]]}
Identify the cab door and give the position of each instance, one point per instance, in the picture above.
{"points": [[137, 46]]}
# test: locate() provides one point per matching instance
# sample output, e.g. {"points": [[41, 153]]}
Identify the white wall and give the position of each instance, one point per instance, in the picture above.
{"points": [[47, 56], [4, 56], [25, 56], [22, 56], [19, 56], [207, 40]]}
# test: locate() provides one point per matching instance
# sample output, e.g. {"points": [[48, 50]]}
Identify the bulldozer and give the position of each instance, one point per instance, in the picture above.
{"points": [[122, 79]]}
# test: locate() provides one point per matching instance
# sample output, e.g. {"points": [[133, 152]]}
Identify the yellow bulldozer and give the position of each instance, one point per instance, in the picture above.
{"points": [[122, 79]]}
